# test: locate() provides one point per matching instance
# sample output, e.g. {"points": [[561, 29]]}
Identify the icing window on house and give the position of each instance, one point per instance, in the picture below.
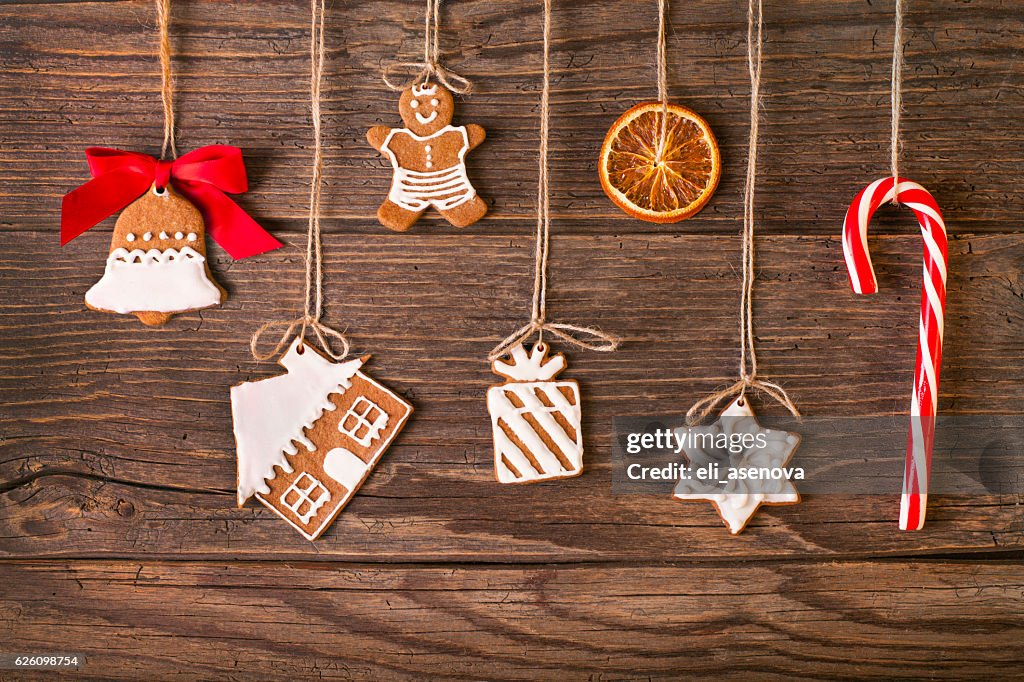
{"points": [[364, 421], [305, 496]]}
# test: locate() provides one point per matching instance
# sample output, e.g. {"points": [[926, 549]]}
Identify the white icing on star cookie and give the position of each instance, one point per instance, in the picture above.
{"points": [[738, 499]]}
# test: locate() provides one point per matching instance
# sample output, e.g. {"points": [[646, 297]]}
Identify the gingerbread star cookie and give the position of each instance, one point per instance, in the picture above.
{"points": [[737, 500], [428, 157]]}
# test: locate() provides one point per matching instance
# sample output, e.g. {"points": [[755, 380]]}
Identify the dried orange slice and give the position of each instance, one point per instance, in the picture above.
{"points": [[666, 190]]}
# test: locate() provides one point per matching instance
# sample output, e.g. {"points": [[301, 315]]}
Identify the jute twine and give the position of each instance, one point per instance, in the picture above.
{"points": [[748, 370], [431, 65], [163, 17], [584, 337], [662, 79], [313, 311], [896, 97]]}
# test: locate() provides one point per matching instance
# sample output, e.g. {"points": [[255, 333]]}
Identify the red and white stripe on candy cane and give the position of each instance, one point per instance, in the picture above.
{"points": [[924, 401]]}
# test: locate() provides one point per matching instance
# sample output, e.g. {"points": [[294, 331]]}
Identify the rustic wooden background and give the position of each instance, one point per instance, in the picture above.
{"points": [[119, 536]]}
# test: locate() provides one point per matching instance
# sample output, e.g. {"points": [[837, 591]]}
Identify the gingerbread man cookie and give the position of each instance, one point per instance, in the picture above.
{"points": [[429, 161]]}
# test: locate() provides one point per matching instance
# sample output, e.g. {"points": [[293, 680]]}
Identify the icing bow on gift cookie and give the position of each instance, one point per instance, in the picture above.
{"points": [[429, 160]]}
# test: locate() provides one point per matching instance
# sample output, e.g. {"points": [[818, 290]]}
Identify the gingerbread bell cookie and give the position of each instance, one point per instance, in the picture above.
{"points": [[157, 261], [156, 266], [428, 157]]}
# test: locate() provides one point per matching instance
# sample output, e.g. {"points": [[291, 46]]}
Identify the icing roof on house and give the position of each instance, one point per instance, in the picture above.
{"points": [[269, 415]]}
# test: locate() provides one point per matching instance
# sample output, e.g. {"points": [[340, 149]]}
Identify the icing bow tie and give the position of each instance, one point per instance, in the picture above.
{"points": [[201, 176]]}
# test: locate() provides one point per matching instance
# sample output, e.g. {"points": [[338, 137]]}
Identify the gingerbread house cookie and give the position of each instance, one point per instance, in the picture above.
{"points": [[307, 439]]}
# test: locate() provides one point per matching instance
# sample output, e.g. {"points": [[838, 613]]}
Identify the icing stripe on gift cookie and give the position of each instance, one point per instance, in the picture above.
{"points": [[535, 420]]}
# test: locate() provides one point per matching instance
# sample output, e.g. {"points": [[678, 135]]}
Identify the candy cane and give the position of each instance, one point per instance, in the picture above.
{"points": [[924, 400]]}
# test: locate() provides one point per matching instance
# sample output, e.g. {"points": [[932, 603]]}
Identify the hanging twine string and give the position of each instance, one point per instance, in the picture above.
{"points": [[584, 337], [431, 65], [314, 303], [163, 17], [662, 78], [896, 97], [748, 371]]}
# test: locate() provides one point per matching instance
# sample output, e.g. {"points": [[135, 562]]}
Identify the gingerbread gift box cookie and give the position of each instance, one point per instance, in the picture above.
{"points": [[157, 265], [428, 159], [535, 418], [307, 439]]}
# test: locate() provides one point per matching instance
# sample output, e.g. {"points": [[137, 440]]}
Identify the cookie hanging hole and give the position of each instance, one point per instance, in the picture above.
{"points": [[300, 349], [160, 191], [540, 347], [741, 402]]}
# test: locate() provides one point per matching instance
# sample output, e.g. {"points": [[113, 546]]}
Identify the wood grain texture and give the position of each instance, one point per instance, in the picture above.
{"points": [[281, 621], [119, 536], [135, 452], [85, 73]]}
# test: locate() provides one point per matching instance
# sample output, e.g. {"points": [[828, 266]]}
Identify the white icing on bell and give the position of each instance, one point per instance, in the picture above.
{"points": [[159, 281], [738, 499], [271, 415]]}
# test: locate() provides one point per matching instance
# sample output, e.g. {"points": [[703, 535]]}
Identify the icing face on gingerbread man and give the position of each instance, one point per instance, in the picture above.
{"points": [[426, 110], [428, 159]]}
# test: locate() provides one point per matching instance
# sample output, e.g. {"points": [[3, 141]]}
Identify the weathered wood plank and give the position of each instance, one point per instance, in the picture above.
{"points": [[116, 460], [117, 438], [77, 74], [240, 621]]}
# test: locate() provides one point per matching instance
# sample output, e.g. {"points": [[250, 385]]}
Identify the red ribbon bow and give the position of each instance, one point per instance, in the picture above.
{"points": [[202, 176]]}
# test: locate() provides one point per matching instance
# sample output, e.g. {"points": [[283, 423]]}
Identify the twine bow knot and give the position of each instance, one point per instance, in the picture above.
{"points": [[314, 300], [305, 323], [431, 66], [583, 337]]}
